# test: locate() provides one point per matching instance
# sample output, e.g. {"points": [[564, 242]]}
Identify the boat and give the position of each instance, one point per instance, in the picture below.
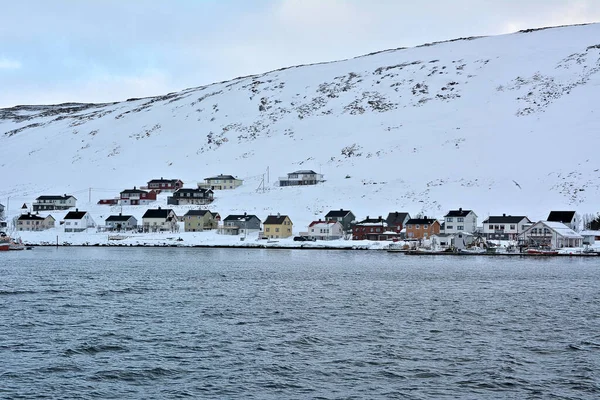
{"points": [[542, 252], [16, 244], [4, 242]]}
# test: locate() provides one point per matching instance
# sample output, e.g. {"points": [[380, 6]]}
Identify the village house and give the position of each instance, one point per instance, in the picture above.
{"points": [[300, 178], [200, 220], [277, 226], [397, 220], [78, 221], [325, 230], [121, 223], [569, 218], [422, 228], [505, 227], [191, 197], [160, 220], [44, 203], [590, 237], [372, 229], [2, 217], [137, 197], [240, 224], [221, 182], [460, 221], [169, 185], [34, 222], [550, 234], [344, 217]]}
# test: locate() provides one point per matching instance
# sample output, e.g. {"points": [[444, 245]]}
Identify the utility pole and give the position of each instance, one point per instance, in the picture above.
{"points": [[90, 196], [267, 174]]}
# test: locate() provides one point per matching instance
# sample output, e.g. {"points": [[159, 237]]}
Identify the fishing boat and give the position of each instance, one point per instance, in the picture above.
{"points": [[4, 242], [542, 252], [16, 244]]}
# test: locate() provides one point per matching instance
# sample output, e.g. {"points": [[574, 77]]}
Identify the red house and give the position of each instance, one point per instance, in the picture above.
{"points": [[136, 197], [372, 229], [165, 184]]}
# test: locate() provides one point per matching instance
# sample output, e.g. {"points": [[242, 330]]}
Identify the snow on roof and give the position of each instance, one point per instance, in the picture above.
{"points": [[589, 233], [561, 229]]}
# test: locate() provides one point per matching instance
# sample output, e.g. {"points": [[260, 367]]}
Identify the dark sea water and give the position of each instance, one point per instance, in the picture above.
{"points": [[140, 323]]}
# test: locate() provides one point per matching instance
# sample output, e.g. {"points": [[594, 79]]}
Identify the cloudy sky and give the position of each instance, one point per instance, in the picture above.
{"points": [[107, 50]]}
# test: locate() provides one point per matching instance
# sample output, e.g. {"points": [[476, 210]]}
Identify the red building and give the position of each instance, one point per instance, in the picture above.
{"points": [[372, 229], [165, 184], [135, 197]]}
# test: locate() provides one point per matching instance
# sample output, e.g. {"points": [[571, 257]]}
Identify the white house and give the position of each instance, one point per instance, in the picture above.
{"points": [[78, 221], [505, 227], [460, 221], [300, 178], [555, 235], [54, 203], [120, 222], [159, 220], [326, 230], [590, 237], [569, 218]]}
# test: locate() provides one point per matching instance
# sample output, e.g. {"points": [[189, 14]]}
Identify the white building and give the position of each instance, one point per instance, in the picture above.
{"points": [[505, 227], [300, 178], [325, 230], [550, 234], [54, 203], [460, 221], [78, 221]]}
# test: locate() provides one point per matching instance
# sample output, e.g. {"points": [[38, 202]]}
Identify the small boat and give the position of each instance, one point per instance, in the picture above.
{"points": [[16, 244], [542, 252], [4, 242]]}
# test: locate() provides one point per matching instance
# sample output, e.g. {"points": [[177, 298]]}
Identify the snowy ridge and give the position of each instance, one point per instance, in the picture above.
{"points": [[504, 124]]}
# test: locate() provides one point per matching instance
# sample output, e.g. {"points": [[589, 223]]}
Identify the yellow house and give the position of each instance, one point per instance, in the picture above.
{"points": [[277, 227]]}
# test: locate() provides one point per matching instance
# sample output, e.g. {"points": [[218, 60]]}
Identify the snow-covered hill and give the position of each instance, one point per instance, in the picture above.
{"points": [[505, 124]]}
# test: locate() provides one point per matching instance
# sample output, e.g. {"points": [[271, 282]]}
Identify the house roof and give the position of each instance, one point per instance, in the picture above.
{"points": [[504, 219], [134, 190], [245, 217], [304, 171], [397, 218], [161, 180], [458, 213], [65, 197], [421, 221], [190, 190], [30, 217], [157, 213], [589, 233], [559, 228], [373, 221], [329, 222], [561, 216], [75, 214], [198, 213], [275, 219], [221, 176], [337, 213], [118, 218]]}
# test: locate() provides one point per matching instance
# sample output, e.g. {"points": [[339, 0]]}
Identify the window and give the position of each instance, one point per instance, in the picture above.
{"points": [[425, 226], [449, 219], [512, 227], [417, 226], [276, 229], [268, 229], [450, 227], [502, 227], [460, 227], [408, 226], [460, 219]]}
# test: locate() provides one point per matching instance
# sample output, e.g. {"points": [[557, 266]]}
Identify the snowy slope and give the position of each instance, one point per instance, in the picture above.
{"points": [[505, 124]]}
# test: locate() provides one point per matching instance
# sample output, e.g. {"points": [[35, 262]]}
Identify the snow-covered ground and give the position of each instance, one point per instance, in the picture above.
{"points": [[504, 124]]}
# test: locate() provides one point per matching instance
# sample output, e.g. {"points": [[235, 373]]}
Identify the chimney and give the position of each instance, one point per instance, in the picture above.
{"points": [[278, 215], [504, 215], [159, 207], [460, 209], [120, 214], [341, 209], [134, 188], [245, 213], [77, 210]]}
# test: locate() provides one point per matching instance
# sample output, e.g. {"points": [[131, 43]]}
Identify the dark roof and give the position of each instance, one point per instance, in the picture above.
{"points": [[30, 217], [161, 180], [561, 216], [55, 197], [75, 214], [396, 218], [199, 213], [304, 171], [457, 213], [220, 177], [421, 221], [245, 217], [134, 191], [372, 221], [190, 190], [118, 218], [157, 213], [337, 213], [275, 219], [504, 219]]}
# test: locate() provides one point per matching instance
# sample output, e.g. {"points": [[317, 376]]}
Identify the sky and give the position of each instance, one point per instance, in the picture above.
{"points": [[101, 51]]}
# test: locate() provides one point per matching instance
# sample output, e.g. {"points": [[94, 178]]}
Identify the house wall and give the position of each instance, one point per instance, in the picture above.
{"points": [[54, 204], [197, 223], [548, 236], [421, 231], [160, 224], [131, 223], [326, 231], [504, 231], [220, 184], [273, 231], [79, 225], [468, 222]]}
